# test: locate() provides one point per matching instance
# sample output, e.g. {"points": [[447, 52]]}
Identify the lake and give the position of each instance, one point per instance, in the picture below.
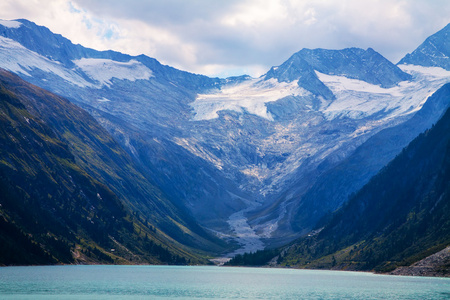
{"points": [[209, 282]]}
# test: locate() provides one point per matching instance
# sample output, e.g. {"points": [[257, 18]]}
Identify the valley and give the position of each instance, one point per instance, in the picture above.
{"points": [[215, 167]]}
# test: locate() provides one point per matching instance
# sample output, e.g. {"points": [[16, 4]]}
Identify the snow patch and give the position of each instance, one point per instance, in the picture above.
{"points": [[10, 24], [432, 72], [358, 99], [250, 96], [18, 59], [103, 70], [339, 83]]}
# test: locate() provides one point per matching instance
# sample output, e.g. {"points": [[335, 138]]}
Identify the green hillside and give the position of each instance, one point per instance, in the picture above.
{"points": [[70, 194]]}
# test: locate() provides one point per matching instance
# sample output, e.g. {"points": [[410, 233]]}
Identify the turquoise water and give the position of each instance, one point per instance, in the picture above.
{"points": [[167, 282]]}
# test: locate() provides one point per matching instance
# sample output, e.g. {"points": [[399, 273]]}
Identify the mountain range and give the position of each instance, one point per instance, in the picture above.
{"points": [[253, 161]]}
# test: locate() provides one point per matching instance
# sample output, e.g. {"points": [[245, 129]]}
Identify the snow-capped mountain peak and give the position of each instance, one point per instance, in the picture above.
{"points": [[367, 65]]}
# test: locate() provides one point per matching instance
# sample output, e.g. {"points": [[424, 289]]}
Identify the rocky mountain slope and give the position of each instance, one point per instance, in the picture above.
{"points": [[433, 52], [252, 158]]}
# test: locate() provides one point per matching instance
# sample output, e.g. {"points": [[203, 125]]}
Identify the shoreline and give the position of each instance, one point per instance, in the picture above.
{"points": [[393, 273], [430, 275], [435, 265]]}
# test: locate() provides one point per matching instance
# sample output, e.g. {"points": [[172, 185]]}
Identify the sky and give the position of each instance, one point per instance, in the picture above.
{"points": [[235, 37]]}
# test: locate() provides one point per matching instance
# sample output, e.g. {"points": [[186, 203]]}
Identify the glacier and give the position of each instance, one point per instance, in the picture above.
{"points": [[103, 70], [250, 96]]}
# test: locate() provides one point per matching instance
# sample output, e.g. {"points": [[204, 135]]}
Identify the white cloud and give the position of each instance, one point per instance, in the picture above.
{"points": [[254, 13], [235, 36]]}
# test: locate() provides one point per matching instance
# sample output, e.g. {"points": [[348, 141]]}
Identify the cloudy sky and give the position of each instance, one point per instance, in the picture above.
{"points": [[234, 37]]}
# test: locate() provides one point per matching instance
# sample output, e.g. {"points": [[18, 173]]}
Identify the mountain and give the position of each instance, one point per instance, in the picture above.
{"points": [[401, 216], [365, 65], [245, 157], [146, 121], [433, 52], [337, 184], [71, 194], [340, 174], [301, 135], [55, 47]]}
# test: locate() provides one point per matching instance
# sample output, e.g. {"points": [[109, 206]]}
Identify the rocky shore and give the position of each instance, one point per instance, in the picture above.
{"points": [[436, 265]]}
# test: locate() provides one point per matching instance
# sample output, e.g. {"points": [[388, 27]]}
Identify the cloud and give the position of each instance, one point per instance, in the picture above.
{"points": [[232, 37]]}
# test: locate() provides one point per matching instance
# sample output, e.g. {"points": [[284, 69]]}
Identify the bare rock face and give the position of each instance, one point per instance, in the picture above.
{"points": [[433, 52]]}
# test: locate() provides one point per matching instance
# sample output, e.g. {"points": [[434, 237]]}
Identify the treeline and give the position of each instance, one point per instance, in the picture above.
{"points": [[164, 254], [258, 258], [17, 248]]}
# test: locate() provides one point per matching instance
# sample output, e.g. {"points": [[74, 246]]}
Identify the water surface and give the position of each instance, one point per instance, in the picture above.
{"points": [[176, 282]]}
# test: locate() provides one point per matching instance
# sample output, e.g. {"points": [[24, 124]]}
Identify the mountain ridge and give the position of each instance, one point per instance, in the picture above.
{"points": [[433, 52], [356, 63]]}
